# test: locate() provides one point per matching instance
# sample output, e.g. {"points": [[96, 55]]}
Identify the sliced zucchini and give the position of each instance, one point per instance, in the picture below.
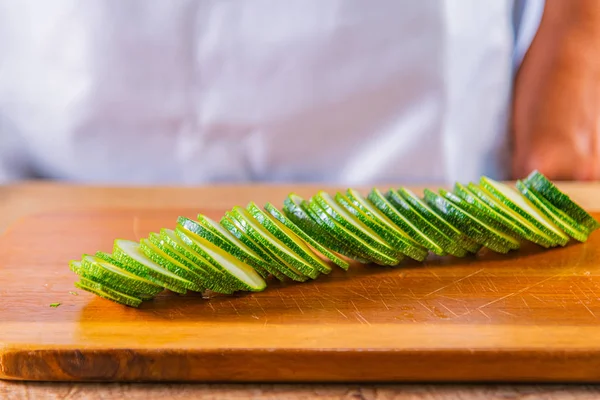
{"points": [[250, 255], [107, 293], [378, 200], [533, 233], [128, 253], [339, 231], [101, 271], [560, 219], [560, 200], [425, 228], [272, 264], [171, 264], [262, 235], [519, 204], [469, 224], [433, 218], [379, 222], [221, 237], [217, 280], [354, 225], [92, 275], [206, 277], [245, 276], [304, 236], [288, 237], [280, 264], [482, 209], [297, 210]]}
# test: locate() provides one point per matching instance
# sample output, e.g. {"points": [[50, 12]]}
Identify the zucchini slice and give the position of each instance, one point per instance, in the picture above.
{"points": [[171, 264], [560, 200], [354, 225], [378, 200], [222, 238], [433, 218], [425, 228], [107, 293], [297, 210], [469, 224], [370, 215], [215, 279], [100, 271], [533, 233], [279, 216], [136, 262], [341, 233], [278, 264], [520, 205], [272, 264], [288, 237], [262, 235], [483, 210], [563, 221], [245, 276]]}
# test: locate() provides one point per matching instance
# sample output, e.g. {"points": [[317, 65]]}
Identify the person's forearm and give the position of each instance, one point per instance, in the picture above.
{"points": [[557, 94]]}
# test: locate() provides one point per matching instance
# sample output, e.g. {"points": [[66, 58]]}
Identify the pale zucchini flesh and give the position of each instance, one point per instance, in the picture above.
{"points": [[247, 278]]}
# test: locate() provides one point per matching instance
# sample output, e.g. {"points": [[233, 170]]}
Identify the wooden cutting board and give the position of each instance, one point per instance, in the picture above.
{"points": [[531, 315]]}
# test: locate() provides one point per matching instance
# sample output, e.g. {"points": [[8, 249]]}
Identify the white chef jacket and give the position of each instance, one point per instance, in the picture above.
{"points": [[194, 92]]}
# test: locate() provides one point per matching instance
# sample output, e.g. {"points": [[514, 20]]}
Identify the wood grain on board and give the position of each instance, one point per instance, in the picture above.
{"points": [[531, 315]]}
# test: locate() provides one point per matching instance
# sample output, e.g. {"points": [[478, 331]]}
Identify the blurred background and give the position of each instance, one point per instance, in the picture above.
{"points": [[190, 92]]}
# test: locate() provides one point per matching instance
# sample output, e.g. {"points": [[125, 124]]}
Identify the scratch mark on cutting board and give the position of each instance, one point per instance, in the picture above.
{"points": [[454, 282], [507, 313], [425, 307], [298, 305], [360, 295], [260, 305], [449, 310], [537, 298], [481, 311], [524, 302], [361, 318], [386, 306], [281, 297], [344, 315], [233, 306], [433, 273], [582, 292], [451, 298], [587, 308], [211, 306], [515, 293]]}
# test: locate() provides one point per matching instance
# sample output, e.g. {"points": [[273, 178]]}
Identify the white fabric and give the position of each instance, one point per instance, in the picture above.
{"points": [[191, 92]]}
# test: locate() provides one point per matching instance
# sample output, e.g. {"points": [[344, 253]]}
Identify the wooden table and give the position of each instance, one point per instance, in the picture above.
{"points": [[17, 201]]}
